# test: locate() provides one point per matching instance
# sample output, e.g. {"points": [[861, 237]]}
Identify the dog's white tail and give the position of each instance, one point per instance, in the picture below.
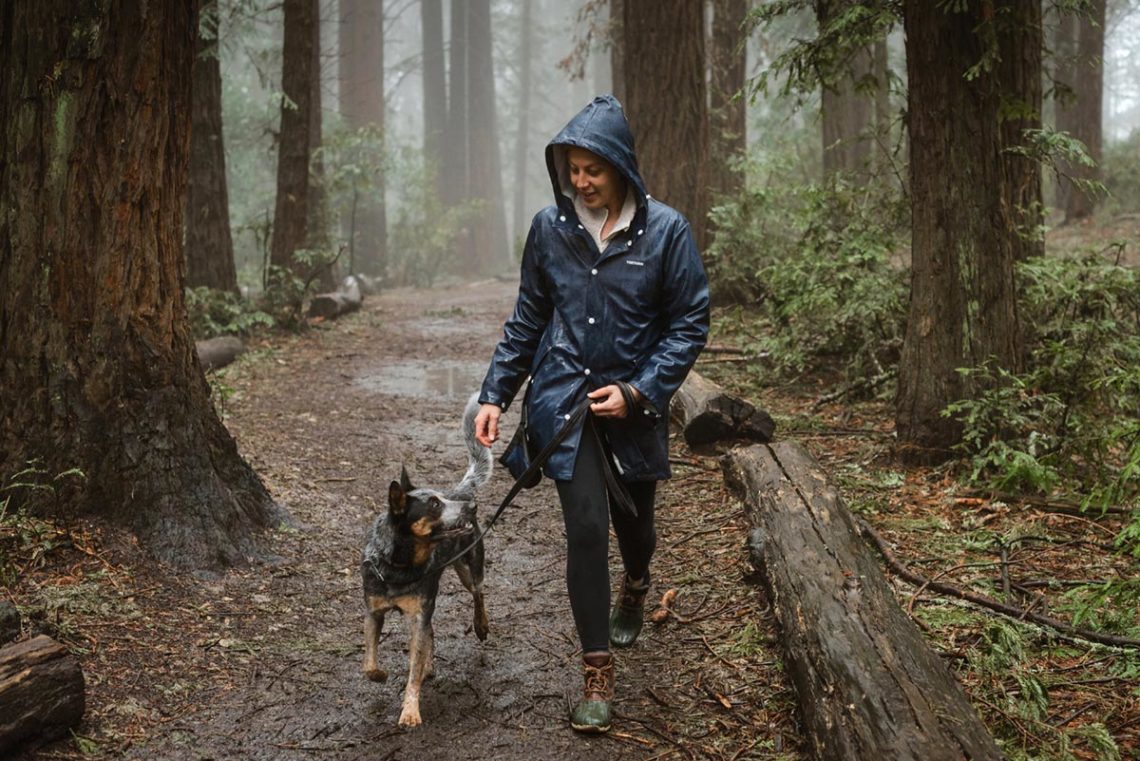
{"points": [[479, 460]]}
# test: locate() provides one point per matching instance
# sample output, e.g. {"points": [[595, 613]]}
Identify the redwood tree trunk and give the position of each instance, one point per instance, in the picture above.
{"points": [[1082, 114], [209, 243], [666, 104], [846, 111], [727, 130], [617, 49], [294, 141], [317, 233], [522, 143], [455, 142], [1064, 95], [963, 308], [1022, 42], [484, 157], [435, 87], [97, 366], [361, 66]]}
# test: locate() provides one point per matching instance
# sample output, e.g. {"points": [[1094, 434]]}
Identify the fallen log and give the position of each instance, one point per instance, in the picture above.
{"points": [[708, 413], [867, 684], [347, 298], [214, 353], [41, 692]]}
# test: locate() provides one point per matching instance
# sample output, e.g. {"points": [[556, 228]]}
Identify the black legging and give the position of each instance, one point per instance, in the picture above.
{"points": [[586, 512]]}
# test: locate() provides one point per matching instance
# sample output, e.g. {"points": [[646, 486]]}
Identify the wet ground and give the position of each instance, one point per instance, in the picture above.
{"points": [[268, 665]]}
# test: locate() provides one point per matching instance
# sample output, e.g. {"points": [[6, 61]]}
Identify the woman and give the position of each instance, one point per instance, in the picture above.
{"points": [[612, 291]]}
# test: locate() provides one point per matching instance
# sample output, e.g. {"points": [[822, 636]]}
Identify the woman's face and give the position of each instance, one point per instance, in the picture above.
{"points": [[596, 181]]}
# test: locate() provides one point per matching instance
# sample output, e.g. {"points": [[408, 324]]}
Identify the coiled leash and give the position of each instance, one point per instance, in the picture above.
{"points": [[618, 491]]}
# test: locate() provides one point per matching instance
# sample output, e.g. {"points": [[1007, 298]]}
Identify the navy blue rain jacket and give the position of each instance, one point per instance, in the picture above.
{"points": [[583, 319]]}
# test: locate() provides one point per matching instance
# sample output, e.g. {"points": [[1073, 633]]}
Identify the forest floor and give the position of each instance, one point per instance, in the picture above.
{"points": [[264, 661]]}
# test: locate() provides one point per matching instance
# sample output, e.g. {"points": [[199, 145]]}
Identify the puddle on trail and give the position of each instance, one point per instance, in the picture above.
{"points": [[446, 378]]}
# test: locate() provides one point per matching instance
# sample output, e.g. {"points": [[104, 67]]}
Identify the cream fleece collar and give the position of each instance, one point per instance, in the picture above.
{"points": [[595, 219]]}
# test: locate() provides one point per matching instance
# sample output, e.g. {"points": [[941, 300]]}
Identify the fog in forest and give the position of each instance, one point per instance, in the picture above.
{"points": [[569, 62]]}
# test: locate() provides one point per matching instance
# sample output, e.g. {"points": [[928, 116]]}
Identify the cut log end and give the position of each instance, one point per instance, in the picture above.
{"points": [[707, 413]]}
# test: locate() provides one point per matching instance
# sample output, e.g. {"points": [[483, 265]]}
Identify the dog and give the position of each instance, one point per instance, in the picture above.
{"points": [[404, 557]]}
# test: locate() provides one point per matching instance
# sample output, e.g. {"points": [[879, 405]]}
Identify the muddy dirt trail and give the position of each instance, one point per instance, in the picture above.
{"points": [[328, 418]]}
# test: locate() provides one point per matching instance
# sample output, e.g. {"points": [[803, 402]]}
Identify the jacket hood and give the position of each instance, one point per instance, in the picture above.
{"points": [[600, 128]]}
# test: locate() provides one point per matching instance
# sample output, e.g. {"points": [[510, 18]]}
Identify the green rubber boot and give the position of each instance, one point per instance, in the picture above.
{"points": [[629, 613], [592, 714]]}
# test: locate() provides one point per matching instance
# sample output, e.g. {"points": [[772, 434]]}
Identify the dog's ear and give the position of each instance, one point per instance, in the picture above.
{"points": [[397, 498], [405, 482]]}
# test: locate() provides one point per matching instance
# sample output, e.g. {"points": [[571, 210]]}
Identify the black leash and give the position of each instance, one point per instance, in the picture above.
{"points": [[616, 488]]}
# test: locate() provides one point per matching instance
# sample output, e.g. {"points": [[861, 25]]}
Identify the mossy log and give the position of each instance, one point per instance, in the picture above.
{"points": [[867, 684], [41, 693]]}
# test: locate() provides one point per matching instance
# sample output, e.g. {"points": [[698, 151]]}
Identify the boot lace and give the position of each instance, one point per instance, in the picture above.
{"points": [[599, 682]]}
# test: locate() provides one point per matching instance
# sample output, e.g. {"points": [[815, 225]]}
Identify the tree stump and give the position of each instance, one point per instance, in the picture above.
{"points": [[867, 684], [214, 353], [708, 413], [347, 298], [41, 692]]}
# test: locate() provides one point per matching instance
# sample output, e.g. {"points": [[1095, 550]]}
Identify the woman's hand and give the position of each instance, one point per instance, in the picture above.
{"points": [[487, 424], [610, 403]]}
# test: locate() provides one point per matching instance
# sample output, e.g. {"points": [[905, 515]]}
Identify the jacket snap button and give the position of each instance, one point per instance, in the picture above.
{"points": [[593, 272], [641, 232], [587, 371], [562, 218], [591, 320], [566, 417]]}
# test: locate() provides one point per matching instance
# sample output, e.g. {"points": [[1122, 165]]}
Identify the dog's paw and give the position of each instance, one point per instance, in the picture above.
{"points": [[410, 717], [376, 674], [482, 627]]}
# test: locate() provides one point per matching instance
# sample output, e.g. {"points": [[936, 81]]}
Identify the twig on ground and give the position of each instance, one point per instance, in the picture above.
{"points": [[861, 385], [986, 602]]}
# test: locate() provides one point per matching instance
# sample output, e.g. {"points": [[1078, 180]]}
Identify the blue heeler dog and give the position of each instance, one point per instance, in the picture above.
{"points": [[408, 547]]}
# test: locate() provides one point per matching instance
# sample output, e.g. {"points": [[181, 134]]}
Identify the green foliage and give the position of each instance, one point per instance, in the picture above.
{"points": [[423, 235], [1071, 417], [287, 287], [1002, 660], [354, 163], [1107, 607], [25, 540], [219, 313], [817, 260], [1058, 152], [806, 63], [1121, 168]]}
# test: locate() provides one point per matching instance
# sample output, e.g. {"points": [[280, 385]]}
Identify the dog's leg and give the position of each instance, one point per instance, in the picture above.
{"points": [[420, 649], [373, 625], [469, 568]]}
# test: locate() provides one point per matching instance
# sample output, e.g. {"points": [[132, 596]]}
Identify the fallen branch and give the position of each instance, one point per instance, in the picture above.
{"points": [[862, 385], [1011, 611], [1053, 505]]}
